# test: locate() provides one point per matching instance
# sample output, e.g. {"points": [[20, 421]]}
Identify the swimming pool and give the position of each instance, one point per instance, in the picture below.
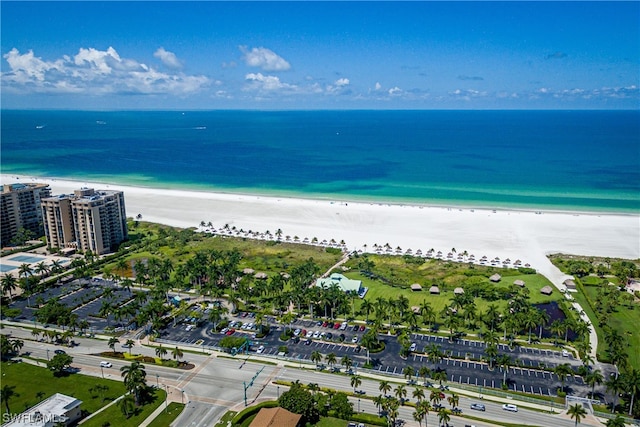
{"points": [[27, 258], [4, 268]]}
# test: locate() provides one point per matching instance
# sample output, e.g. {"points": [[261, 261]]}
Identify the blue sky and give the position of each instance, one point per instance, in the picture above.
{"points": [[320, 55]]}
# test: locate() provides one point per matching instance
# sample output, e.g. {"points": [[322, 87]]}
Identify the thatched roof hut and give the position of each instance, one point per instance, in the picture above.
{"points": [[415, 309], [434, 290], [547, 290], [458, 291], [248, 271], [495, 278], [570, 284], [260, 275], [416, 287], [519, 283]]}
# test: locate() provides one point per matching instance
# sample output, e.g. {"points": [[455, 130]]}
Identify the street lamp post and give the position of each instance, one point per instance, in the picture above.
{"points": [[47, 354], [182, 395], [166, 398], [102, 370], [358, 404], [157, 382], [278, 391]]}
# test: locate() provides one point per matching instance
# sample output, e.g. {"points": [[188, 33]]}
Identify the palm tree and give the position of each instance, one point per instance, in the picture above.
{"points": [[7, 393], [577, 412], [126, 405], [594, 378], [632, 381], [378, 401], [562, 371], [439, 375], [161, 352], [112, 344], [401, 393], [366, 307], [408, 372], [176, 353], [443, 416], [134, 378], [130, 344], [453, 400], [316, 357], [616, 385], [491, 352], [424, 372], [618, 421], [355, 382], [418, 394], [8, 284], [384, 387], [346, 362], [504, 360], [424, 407], [434, 397], [331, 359]]}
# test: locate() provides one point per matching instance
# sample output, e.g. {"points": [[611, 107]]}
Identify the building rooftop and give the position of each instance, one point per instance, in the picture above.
{"points": [[344, 283], [275, 417], [47, 413]]}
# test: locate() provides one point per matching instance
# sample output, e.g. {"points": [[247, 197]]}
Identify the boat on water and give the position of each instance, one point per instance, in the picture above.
{"points": [[40, 126], [101, 122]]}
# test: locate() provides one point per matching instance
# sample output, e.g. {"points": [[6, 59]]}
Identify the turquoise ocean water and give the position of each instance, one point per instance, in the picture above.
{"points": [[569, 160]]}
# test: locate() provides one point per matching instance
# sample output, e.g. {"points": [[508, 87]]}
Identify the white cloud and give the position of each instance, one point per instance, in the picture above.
{"points": [[378, 86], [168, 58], [341, 82], [395, 91], [93, 72], [264, 58], [266, 83]]}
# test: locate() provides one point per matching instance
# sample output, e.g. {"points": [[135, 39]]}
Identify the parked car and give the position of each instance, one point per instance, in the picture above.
{"points": [[308, 341], [58, 351], [413, 347], [356, 328], [309, 334], [296, 332], [510, 407], [316, 334], [260, 349], [478, 407], [324, 324], [336, 325], [354, 339], [565, 353], [362, 328], [343, 326], [329, 335], [319, 323], [230, 332]]}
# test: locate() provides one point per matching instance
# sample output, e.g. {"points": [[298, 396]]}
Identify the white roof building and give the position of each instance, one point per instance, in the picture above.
{"points": [[57, 409], [344, 283]]}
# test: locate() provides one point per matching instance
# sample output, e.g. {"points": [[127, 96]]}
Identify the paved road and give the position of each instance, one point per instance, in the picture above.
{"points": [[216, 384]]}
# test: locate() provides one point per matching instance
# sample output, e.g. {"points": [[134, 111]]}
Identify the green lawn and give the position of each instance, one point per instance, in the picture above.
{"points": [[115, 418], [377, 289], [331, 422], [34, 384], [624, 320], [167, 417]]}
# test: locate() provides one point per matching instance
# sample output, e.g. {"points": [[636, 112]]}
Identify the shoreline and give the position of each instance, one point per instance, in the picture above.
{"points": [[528, 235], [322, 197]]}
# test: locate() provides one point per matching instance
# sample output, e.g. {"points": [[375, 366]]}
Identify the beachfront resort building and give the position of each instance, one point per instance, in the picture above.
{"points": [[86, 220], [343, 283], [57, 410], [20, 209]]}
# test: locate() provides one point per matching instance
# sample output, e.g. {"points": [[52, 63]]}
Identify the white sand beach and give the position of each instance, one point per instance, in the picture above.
{"points": [[513, 234]]}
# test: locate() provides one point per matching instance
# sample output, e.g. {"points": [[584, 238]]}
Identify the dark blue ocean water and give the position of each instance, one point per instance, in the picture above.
{"points": [[576, 160]]}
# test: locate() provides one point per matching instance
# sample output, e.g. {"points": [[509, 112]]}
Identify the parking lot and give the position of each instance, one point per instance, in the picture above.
{"points": [[84, 297], [526, 376]]}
